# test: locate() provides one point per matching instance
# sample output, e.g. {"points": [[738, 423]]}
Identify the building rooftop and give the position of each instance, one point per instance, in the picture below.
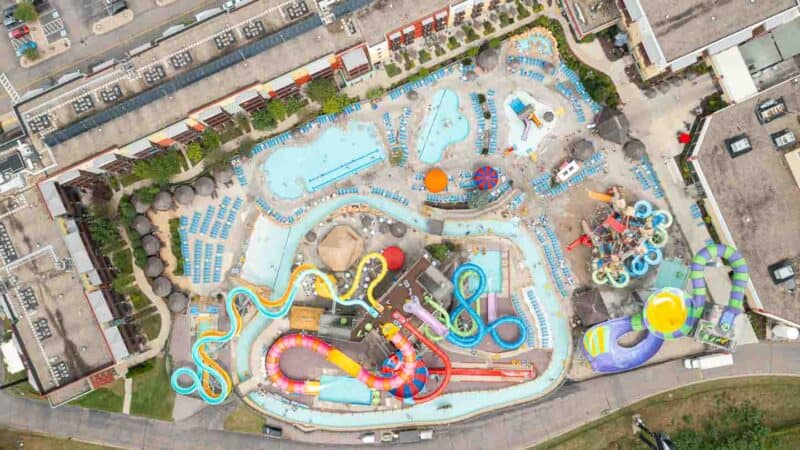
{"points": [[682, 26], [760, 207], [56, 326], [384, 16], [591, 16]]}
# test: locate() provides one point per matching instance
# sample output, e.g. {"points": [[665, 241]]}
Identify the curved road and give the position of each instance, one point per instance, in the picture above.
{"points": [[571, 406]]}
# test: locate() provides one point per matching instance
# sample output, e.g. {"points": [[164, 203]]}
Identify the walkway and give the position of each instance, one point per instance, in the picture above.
{"points": [[126, 404], [572, 406]]}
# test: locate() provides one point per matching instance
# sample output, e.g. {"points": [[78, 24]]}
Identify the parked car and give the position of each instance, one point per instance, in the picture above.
{"points": [[274, 432], [30, 45], [19, 32], [8, 17]]}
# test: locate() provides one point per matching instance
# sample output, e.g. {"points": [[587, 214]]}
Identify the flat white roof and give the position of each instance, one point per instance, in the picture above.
{"points": [[115, 342], [52, 199], [733, 74], [11, 357], [98, 303]]}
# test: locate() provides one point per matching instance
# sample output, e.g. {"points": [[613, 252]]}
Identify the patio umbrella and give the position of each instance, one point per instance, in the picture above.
{"points": [[485, 178]]}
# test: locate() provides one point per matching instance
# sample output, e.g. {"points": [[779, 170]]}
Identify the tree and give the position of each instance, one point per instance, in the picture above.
{"points": [[294, 104], [277, 109], [335, 104], [495, 43], [104, 231], [210, 140], [245, 147], [263, 120], [243, 122], [26, 12], [439, 252], [321, 90], [159, 168], [194, 152], [473, 52]]}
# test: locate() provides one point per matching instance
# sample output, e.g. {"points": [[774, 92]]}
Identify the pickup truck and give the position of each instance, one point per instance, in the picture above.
{"points": [[709, 361]]}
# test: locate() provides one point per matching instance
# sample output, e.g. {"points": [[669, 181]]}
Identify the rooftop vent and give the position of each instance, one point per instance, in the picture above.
{"points": [[738, 145]]}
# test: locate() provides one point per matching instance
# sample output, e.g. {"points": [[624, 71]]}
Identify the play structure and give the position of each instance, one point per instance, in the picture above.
{"points": [[625, 240], [527, 115], [403, 374], [670, 314]]}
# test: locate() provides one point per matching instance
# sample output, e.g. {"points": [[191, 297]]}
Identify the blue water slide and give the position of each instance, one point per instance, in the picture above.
{"points": [[618, 358]]}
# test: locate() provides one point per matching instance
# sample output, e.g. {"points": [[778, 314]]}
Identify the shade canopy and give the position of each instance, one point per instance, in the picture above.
{"points": [[142, 225], [486, 178], [436, 180], [398, 229], [154, 267], [163, 201], [184, 195], [151, 244], [177, 302], [162, 286], [395, 257], [204, 186], [340, 248]]}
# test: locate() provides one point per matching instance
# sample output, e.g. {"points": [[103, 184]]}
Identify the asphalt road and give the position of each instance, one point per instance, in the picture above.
{"points": [[88, 49], [571, 406]]}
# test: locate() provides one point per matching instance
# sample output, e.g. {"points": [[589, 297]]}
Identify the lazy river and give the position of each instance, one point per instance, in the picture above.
{"points": [[270, 254]]}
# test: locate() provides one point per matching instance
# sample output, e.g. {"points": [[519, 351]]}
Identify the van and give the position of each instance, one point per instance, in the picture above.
{"points": [[368, 438], [426, 435]]}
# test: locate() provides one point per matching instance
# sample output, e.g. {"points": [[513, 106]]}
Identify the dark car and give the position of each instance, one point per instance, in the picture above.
{"points": [[274, 432], [8, 17]]}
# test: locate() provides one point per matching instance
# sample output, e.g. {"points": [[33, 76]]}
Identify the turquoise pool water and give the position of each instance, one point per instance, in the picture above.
{"points": [[460, 405], [444, 126], [491, 263], [336, 155]]}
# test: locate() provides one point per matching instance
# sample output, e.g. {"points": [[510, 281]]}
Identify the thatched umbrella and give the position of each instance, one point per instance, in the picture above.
{"points": [[634, 150], [151, 245], [142, 225], [412, 95], [204, 186], [488, 59], [162, 286], [548, 116], [471, 75], [341, 248], [163, 201], [398, 229], [224, 175], [177, 302], [154, 267], [612, 125], [311, 236], [140, 206], [367, 221], [514, 65], [582, 149], [184, 195]]}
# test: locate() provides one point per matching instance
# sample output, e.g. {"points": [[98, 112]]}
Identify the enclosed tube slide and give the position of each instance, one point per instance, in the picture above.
{"points": [[741, 275], [414, 307], [465, 304], [404, 373]]}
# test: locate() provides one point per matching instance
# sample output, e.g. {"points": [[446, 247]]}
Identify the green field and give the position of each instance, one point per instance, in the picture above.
{"points": [[700, 410], [151, 325], [152, 394], [244, 420], [16, 439], [109, 398]]}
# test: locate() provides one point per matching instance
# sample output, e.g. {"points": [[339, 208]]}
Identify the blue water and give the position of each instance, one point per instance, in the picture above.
{"points": [[444, 126], [490, 262], [462, 404], [336, 155]]}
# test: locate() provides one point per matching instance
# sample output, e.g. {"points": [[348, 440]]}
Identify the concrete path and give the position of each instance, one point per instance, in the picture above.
{"points": [[126, 404], [571, 406]]}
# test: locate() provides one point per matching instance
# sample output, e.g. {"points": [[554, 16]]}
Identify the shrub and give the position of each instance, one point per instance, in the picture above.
{"points": [[376, 93], [294, 104], [243, 122], [392, 70], [335, 104], [263, 120], [194, 152], [104, 231], [245, 147], [481, 98], [31, 53], [159, 168], [439, 50], [495, 43], [505, 19], [141, 368], [473, 52], [488, 28], [522, 11], [277, 109], [471, 34], [321, 89], [122, 261]]}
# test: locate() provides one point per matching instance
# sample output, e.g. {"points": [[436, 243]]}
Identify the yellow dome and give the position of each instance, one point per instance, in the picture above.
{"points": [[666, 311]]}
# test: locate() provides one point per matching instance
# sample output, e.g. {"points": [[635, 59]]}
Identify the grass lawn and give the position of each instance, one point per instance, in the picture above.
{"points": [[151, 325], [24, 390], [689, 407], [152, 394], [108, 398], [18, 439], [244, 420]]}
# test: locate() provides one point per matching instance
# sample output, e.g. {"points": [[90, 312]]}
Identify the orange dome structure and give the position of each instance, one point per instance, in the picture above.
{"points": [[435, 180]]}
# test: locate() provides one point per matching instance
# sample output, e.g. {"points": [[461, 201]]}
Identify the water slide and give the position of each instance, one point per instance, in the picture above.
{"points": [[606, 355], [741, 275], [401, 376], [207, 368], [488, 374], [465, 305]]}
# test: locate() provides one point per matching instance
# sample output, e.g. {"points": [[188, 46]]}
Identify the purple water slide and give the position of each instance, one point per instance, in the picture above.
{"points": [[619, 358]]}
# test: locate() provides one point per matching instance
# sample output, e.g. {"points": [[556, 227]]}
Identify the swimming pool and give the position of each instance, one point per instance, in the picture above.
{"points": [[459, 405], [336, 155], [444, 126], [491, 263]]}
